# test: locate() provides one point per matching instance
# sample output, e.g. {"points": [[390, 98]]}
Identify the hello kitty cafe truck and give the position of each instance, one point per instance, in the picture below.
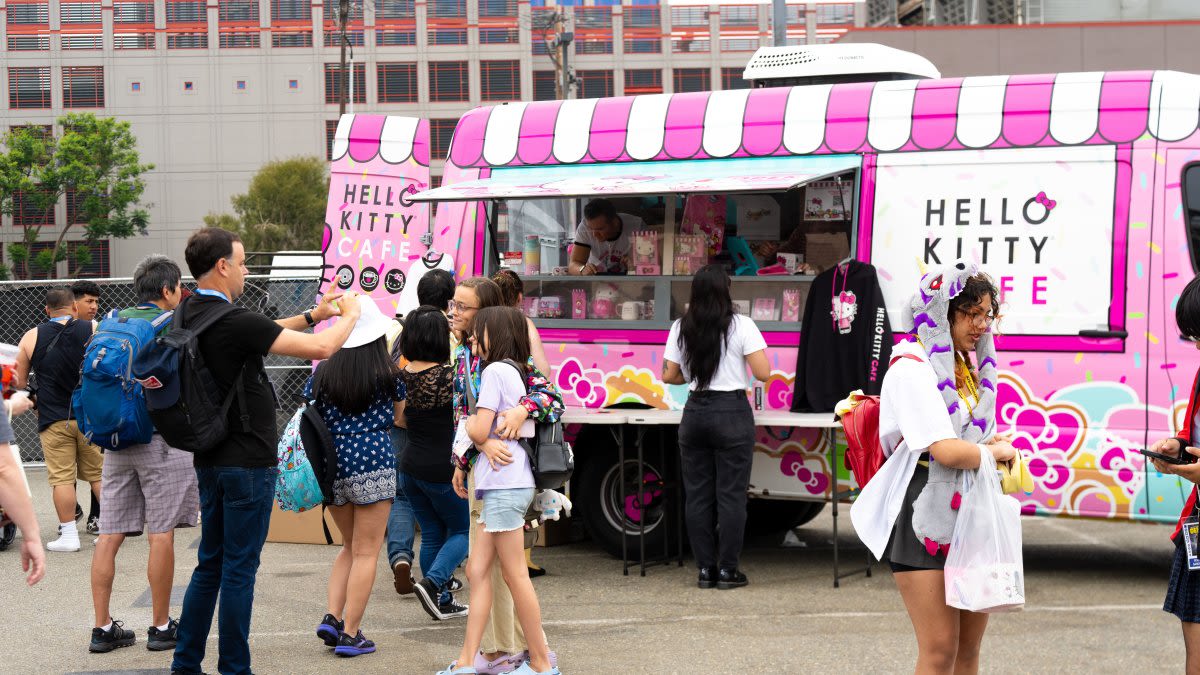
{"points": [[1072, 190]]}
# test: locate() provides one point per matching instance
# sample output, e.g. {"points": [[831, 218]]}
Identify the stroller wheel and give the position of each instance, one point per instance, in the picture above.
{"points": [[7, 535]]}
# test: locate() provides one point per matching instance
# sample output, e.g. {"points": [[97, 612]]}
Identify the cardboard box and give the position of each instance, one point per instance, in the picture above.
{"points": [[301, 528], [554, 532]]}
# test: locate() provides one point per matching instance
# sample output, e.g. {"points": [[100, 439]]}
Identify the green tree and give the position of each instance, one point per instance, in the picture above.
{"points": [[283, 209], [96, 162]]}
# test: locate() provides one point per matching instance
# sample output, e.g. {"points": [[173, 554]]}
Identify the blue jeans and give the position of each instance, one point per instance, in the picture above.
{"points": [[401, 529], [235, 510], [445, 523]]}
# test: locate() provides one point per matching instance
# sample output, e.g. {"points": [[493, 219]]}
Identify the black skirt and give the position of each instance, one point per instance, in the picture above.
{"points": [[904, 551], [1183, 590]]}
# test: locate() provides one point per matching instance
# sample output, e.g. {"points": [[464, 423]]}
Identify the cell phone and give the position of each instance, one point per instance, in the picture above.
{"points": [[1184, 457]]}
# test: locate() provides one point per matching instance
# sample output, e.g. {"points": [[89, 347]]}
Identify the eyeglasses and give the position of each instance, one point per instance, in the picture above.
{"points": [[456, 306], [985, 318]]}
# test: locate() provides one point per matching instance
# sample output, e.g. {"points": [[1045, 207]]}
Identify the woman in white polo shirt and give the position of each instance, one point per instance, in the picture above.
{"points": [[709, 349]]}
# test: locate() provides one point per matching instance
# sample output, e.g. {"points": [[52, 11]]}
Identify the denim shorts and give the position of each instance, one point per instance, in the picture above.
{"points": [[504, 510]]}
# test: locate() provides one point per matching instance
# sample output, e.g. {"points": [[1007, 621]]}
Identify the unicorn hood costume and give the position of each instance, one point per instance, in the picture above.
{"points": [[971, 419]]}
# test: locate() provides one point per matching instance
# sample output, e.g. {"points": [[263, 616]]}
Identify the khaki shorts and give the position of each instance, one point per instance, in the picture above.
{"points": [[69, 455], [148, 488]]}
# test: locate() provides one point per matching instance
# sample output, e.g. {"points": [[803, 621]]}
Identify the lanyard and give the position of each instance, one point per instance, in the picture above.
{"points": [[213, 294]]}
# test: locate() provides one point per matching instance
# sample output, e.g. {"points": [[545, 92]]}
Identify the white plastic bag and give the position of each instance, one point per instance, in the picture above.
{"points": [[984, 569]]}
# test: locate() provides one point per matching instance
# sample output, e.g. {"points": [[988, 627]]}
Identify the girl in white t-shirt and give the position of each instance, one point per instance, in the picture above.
{"points": [[709, 349]]}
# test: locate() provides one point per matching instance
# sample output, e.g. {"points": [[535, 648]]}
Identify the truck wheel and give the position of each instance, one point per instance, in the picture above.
{"points": [[608, 519], [770, 516]]}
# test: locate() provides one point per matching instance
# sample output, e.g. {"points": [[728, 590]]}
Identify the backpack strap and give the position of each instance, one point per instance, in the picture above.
{"points": [[238, 389], [161, 319], [914, 357]]}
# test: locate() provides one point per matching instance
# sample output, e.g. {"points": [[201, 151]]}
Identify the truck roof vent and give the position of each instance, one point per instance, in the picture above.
{"points": [[834, 64]]}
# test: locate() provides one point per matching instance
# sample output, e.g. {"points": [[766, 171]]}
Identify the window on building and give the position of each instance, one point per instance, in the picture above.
{"points": [[335, 84], [739, 44], [355, 33], [238, 24], [395, 9], [88, 259], [83, 86], [291, 24], [354, 38], [643, 81], [397, 82], [186, 11], [593, 30], [689, 16], [499, 36], [290, 10], [440, 133], [593, 17], [72, 210], [396, 38], [133, 24], [544, 86], [29, 87], [82, 40], [498, 8], [79, 12], [691, 45], [442, 37], [642, 45], [500, 80], [449, 81], [330, 131], [287, 39], [28, 25], [739, 15], [29, 211], [595, 83], [731, 78], [81, 26], [187, 24], [692, 79], [447, 9], [642, 17], [838, 14], [594, 44]]}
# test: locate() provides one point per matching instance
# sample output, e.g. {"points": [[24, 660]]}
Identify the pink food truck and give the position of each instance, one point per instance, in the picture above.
{"points": [[1078, 192]]}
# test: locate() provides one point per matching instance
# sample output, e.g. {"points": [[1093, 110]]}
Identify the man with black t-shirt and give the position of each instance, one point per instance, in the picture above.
{"points": [[237, 477]]}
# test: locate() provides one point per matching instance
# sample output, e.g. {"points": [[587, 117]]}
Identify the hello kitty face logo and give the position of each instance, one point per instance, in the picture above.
{"points": [[845, 309], [645, 246]]}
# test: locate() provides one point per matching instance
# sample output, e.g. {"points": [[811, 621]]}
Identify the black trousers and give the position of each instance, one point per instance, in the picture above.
{"points": [[716, 447]]}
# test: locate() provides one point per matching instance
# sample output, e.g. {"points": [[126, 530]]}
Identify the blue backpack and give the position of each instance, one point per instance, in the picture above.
{"points": [[109, 403]]}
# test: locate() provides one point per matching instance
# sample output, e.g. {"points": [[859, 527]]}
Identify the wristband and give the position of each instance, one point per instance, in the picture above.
{"points": [[309, 318]]}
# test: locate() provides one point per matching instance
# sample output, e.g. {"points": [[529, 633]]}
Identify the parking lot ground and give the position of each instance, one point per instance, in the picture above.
{"points": [[1094, 593]]}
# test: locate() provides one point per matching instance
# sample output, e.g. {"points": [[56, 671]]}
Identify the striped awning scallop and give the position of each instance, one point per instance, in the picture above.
{"points": [[895, 116]]}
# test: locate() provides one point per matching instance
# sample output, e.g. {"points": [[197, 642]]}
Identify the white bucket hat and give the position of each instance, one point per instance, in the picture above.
{"points": [[371, 325]]}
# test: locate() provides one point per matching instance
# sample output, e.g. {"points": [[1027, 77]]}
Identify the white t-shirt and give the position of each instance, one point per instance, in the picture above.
{"points": [[744, 339], [912, 417], [609, 257]]}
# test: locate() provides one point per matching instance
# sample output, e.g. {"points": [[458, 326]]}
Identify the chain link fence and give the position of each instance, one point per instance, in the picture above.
{"points": [[22, 306]]}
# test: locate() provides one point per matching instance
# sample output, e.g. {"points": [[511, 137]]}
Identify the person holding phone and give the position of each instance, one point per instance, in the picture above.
{"points": [[1177, 456]]}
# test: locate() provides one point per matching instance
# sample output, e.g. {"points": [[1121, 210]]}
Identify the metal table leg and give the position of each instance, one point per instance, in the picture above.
{"points": [[833, 481]]}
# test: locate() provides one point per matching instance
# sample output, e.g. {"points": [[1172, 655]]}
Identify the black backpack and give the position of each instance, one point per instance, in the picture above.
{"points": [[319, 447], [182, 396], [550, 455]]}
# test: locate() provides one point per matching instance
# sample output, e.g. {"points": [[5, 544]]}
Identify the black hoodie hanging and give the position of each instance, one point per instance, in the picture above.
{"points": [[845, 339]]}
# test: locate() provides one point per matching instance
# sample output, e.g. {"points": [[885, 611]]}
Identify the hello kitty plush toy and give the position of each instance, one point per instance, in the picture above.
{"points": [[552, 504], [645, 253], [604, 305]]}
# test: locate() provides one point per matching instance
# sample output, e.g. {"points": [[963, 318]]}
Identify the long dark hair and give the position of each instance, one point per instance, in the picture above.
{"points": [[507, 334], [426, 335], [352, 379], [704, 327]]}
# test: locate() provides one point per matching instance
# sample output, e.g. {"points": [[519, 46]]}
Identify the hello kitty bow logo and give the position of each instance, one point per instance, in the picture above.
{"points": [[584, 384], [1045, 201]]}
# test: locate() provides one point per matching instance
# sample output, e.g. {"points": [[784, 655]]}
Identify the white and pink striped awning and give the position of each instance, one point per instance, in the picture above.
{"points": [[898, 116]]}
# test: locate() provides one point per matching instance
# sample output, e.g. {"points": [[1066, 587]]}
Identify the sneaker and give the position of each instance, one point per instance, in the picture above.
{"points": [[93, 525], [428, 594], [504, 664], [330, 630], [353, 646], [162, 640], [104, 641], [402, 571], [731, 579], [454, 585], [66, 543], [78, 511], [452, 609]]}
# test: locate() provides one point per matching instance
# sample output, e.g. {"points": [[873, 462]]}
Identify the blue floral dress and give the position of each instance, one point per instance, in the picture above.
{"points": [[366, 463]]}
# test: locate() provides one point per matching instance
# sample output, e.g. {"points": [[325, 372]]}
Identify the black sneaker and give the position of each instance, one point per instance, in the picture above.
{"points": [[330, 630], [427, 594], [93, 525], [454, 585], [353, 646], [707, 578], [731, 579], [78, 511], [162, 640], [104, 641], [452, 609]]}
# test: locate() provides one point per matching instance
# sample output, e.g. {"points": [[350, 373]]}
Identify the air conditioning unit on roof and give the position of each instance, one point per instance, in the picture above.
{"points": [[834, 64]]}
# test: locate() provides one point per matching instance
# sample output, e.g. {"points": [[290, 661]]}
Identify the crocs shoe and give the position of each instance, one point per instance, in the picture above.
{"points": [[453, 669], [504, 664], [356, 645], [524, 656], [525, 669], [330, 629]]}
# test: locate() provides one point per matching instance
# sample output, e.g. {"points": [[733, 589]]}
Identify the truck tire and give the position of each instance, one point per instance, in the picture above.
{"points": [[771, 516], [597, 494]]}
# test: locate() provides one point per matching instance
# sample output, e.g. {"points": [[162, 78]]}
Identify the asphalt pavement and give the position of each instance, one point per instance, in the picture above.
{"points": [[1094, 593]]}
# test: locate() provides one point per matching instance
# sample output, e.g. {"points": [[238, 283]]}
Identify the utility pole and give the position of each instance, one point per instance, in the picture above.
{"points": [[565, 38], [343, 14], [779, 22]]}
